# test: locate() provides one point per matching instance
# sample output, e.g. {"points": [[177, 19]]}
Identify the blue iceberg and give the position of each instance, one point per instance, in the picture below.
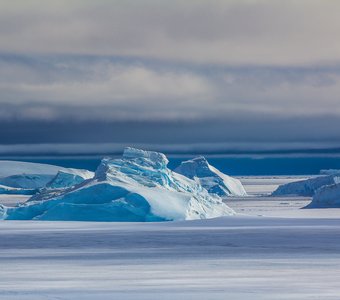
{"points": [[137, 187], [210, 178]]}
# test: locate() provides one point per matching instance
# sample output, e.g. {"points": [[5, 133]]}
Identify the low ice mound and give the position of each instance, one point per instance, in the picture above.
{"points": [[9, 168], [137, 187], [27, 178], [305, 188], [210, 178], [326, 197], [69, 178], [27, 181], [15, 191]]}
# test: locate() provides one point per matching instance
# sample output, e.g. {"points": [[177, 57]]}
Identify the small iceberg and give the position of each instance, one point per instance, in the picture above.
{"points": [[210, 178], [306, 188], [326, 197]]}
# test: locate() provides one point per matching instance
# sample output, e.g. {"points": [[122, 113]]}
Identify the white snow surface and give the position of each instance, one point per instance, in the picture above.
{"points": [[241, 258], [211, 178], [137, 187]]}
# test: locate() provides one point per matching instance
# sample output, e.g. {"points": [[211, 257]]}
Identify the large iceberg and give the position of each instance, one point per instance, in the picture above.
{"points": [[210, 178], [137, 187], [305, 188]]}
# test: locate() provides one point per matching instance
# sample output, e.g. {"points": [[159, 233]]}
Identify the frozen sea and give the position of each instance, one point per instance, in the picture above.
{"points": [[271, 250]]}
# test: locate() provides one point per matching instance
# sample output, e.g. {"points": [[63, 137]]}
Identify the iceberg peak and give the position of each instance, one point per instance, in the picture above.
{"points": [[154, 159], [210, 178]]}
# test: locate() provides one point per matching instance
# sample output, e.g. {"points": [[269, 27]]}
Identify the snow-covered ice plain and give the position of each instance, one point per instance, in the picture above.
{"points": [[239, 258], [294, 255]]}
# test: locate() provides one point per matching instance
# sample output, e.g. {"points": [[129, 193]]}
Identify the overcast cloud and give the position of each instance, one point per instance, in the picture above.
{"points": [[156, 62], [256, 32]]}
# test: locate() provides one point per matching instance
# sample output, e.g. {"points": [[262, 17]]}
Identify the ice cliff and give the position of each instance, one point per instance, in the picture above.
{"points": [[327, 196], [137, 187], [305, 187], [210, 178], [325, 190]]}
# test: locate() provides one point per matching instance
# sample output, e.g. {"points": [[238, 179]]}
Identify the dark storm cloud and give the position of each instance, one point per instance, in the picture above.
{"points": [[97, 88], [234, 128]]}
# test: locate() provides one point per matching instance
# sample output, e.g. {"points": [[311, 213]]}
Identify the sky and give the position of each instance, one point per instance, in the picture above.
{"points": [[170, 72]]}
